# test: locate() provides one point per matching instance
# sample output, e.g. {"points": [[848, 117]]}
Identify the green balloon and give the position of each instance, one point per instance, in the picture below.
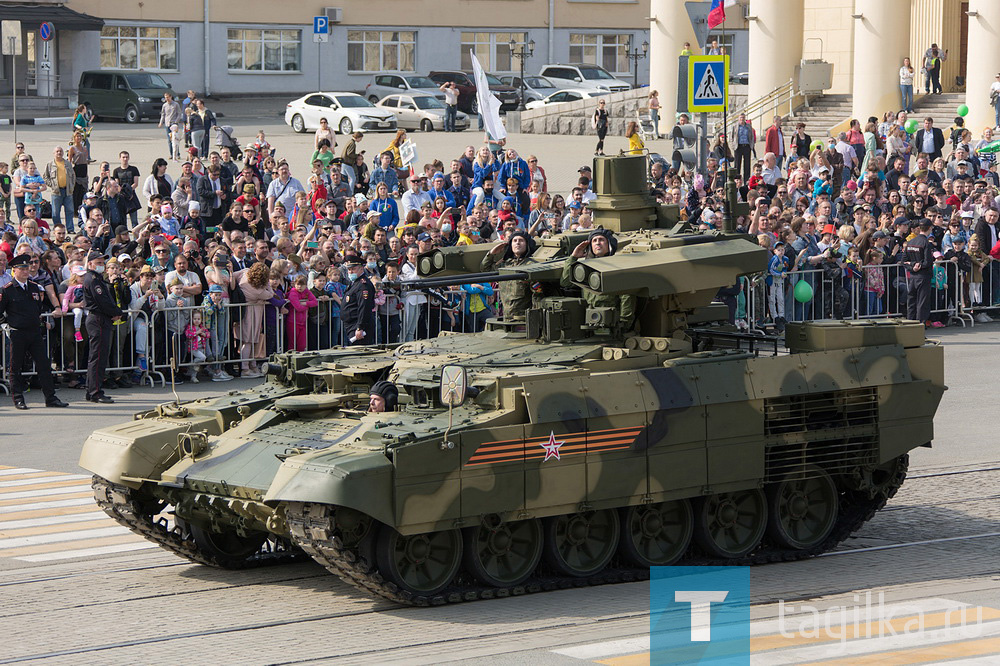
{"points": [[803, 291], [816, 145], [963, 110], [911, 125]]}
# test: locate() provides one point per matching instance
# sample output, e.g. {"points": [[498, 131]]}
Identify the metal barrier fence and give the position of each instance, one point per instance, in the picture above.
{"points": [[241, 335]]}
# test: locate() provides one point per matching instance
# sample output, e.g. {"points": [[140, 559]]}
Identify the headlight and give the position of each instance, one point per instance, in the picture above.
{"points": [[144, 99]]}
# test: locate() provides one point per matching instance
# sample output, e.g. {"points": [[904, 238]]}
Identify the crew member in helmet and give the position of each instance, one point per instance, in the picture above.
{"points": [[601, 243], [384, 396], [514, 294]]}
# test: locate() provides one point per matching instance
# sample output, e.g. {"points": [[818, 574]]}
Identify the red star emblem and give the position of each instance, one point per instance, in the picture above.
{"points": [[552, 447]]}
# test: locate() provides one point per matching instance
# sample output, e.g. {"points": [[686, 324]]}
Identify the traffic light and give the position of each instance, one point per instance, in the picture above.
{"points": [[688, 155]]}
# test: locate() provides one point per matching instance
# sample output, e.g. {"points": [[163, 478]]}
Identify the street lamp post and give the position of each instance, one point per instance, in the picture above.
{"points": [[521, 52], [636, 56]]}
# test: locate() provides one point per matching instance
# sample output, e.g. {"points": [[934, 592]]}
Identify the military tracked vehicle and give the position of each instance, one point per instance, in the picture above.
{"points": [[578, 444]]}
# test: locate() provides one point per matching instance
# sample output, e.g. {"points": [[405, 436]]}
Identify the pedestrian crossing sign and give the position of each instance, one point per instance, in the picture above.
{"points": [[708, 83]]}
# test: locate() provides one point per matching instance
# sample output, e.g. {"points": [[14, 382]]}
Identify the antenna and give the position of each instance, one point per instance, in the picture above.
{"points": [[173, 370]]}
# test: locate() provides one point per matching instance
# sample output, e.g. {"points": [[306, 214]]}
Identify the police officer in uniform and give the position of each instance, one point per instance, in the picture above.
{"points": [[358, 310], [102, 313], [21, 303], [918, 257]]}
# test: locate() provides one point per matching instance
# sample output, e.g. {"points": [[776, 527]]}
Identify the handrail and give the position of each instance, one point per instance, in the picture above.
{"points": [[769, 103]]}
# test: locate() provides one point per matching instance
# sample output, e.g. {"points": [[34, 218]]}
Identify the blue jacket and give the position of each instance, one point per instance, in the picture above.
{"points": [[434, 194], [479, 174], [389, 211], [488, 201], [516, 169]]}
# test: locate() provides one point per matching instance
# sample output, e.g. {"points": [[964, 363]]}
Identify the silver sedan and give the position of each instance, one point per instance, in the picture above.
{"points": [[420, 111]]}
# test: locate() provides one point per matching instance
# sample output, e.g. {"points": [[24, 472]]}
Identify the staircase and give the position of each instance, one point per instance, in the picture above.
{"points": [[821, 114], [942, 108]]}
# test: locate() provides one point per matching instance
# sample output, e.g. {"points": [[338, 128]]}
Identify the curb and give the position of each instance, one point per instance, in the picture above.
{"points": [[38, 121]]}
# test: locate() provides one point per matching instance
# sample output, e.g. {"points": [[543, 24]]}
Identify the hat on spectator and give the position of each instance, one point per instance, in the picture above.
{"points": [[958, 239], [77, 270], [295, 259], [779, 244], [146, 270], [353, 260], [125, 256], [121, 229], [215, 289], [583, 168], [359, 198], [166, 208], [94, 254], [194, 205], [829, 229], [852, 185], [111, 261], [901, 220], [961, 163], [192, 151], [373, 213], [19, 260], [424, 237], [822, 169], [438, 175], [879, 234], [89, 195], [575, 204], [924, 224], [188, 162], [968, 213]]}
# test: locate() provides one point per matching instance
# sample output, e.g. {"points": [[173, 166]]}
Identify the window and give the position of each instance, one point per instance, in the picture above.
{"points": [[608, 51], [138, 47], [492, 49], [263, 50], [379, 51], [725, 41]]}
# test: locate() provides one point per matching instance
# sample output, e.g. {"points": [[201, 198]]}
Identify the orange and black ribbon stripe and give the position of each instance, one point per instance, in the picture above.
{"points": [[514, 450]]}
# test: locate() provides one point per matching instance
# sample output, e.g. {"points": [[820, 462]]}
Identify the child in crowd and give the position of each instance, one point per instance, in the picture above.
{"points": [[776, 270], [389, 305], [300, 299], [319, 315], [979, 259], [216, 316], [274, 308], [177, 320], [6, 184], [197, 336], [336, 289], [74, 294]]}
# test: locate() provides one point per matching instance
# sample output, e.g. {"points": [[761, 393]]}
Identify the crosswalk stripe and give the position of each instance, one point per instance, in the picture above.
{"points": [[37, 474], [13, 535], [58, 519], [88, 552], [38, 540], [51, 512], [38, 485], [7, 498], [19, 553], [82, 499], [50, 479], [9, 471]]}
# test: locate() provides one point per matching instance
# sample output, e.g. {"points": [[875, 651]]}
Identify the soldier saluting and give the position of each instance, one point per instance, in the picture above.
{"points": [[514, 294], [358, 310], [21, 303], [102, 313]]}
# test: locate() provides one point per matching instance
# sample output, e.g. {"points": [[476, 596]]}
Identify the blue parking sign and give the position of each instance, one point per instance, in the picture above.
{"points": [[708, 83], [321, 25]]}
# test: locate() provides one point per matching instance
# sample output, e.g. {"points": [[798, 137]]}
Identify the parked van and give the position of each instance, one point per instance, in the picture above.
{"points": [[129, 95]]}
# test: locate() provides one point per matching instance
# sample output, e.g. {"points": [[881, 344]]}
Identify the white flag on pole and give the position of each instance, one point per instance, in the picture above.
{"points": [[489, 105]]}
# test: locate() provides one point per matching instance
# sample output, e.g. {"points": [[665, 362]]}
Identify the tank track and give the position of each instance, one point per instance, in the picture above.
{"points": [[123, 504], [313, 530]]}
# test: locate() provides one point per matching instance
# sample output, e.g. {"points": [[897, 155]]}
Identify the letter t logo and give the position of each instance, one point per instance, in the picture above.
{"points": [[701, 610]]}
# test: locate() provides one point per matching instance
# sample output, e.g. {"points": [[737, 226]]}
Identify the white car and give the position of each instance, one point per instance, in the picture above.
{"points": [[567, 95], [420, 111], [344, 113], [583, 76]]}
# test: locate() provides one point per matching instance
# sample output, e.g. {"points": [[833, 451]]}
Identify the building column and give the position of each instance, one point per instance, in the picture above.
{"points": [[881, 41], [669, 28], [983, 64], [775, 46]]}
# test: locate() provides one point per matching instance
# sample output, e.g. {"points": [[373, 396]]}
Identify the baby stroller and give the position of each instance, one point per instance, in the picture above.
{"points": [[224, 139]]}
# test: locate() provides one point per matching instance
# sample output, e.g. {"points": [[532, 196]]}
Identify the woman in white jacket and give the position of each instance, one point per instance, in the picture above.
{"points": [[158, 182]]}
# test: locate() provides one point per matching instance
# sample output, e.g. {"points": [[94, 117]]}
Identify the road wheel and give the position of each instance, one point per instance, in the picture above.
{"points": [[298, 124], [581, 544], [656, 535], [90, 111], [474, 106], [422, 564], [426, 126], [346, 127], [228, 548], [801, 512], [373, 99], [730, 525], [503, 554], [131, 114]]}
